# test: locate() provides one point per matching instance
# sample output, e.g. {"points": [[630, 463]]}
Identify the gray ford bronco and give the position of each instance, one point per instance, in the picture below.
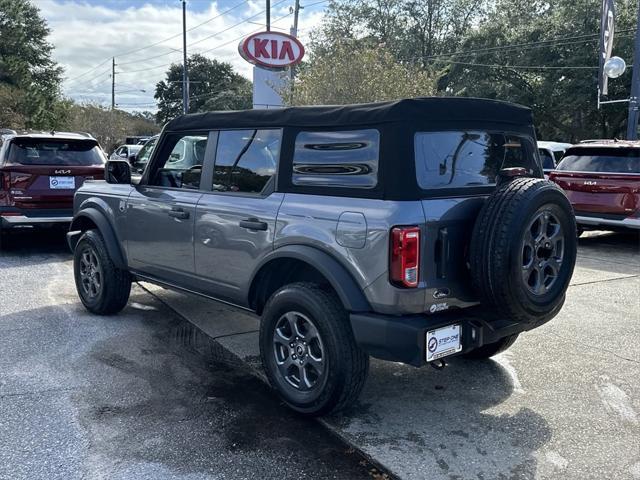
{"points": [[408, 231]]}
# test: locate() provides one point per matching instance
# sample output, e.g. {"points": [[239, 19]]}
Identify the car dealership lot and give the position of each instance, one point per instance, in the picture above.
{"points": [[122, 397]]}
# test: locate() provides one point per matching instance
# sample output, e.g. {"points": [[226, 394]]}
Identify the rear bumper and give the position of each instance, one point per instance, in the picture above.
{"points": [[629, 222], [403, 339], [34, 217]]}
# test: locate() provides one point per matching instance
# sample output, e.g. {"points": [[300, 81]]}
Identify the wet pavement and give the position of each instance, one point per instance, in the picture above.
{"points": [[563, 402], [140, 395]]}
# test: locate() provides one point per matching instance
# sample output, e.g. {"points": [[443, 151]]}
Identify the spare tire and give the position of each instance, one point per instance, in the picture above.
{"points": [[523, 250]]}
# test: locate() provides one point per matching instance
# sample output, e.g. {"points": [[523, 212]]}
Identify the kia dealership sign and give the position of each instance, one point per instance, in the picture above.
{"points": [[273, 50]]}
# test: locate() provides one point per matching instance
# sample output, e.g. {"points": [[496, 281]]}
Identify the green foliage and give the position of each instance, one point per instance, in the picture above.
{"points": [[109, 127], [421, 35], [213, 85], [29, 78], [348, 74]]}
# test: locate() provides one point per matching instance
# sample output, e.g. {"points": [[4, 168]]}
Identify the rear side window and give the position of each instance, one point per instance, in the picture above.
{"points": [[246, 160], [468, 158], [337, 159], [605, 160], [30, 151]]}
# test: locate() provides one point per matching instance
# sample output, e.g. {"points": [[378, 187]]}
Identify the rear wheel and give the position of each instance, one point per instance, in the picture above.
{"points": [[491, 349], [102, 288], [308, 350]]}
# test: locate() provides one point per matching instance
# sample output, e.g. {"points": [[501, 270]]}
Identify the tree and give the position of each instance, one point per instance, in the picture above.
{"points": [[109, 127], [466, 45], [346, 74], [563, 99], [213, 85], [26, 68]]}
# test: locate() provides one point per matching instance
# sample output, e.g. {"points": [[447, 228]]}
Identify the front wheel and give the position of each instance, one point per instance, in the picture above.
{"points": [[102, 287], [308, 350]]}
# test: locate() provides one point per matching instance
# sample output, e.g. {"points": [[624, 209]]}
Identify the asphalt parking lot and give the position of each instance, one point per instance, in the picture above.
{"points": [[141, 395], [144, 395]]}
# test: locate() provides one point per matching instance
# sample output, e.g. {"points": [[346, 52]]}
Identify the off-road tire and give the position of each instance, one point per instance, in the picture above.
{"points": [[346, 366], [496, 253], [491, 349], [116, 283]]}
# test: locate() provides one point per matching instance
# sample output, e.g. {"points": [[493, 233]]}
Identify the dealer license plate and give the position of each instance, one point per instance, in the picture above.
{"points": [[442, 342], [62, 183]]}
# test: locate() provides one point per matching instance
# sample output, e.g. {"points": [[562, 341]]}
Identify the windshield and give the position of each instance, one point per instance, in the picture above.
{"points": [[604, 160], [33, 151]]}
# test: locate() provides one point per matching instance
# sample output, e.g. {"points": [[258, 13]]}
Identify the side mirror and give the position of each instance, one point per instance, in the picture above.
{"points": [[133, 158], [117, 171]]}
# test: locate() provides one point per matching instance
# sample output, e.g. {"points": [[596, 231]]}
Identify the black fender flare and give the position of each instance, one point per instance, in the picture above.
{"points": [[107, 231], [337, 275]]}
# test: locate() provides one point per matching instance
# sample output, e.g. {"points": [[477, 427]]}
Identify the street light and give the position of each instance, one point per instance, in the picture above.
{"points": [[614, 67]]}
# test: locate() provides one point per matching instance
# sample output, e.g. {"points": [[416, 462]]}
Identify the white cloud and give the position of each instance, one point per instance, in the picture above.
{"points": [[85, 36]]}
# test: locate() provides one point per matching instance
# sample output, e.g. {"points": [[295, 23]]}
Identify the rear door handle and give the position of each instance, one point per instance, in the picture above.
{"points": [[253, 224], [177, 212]]}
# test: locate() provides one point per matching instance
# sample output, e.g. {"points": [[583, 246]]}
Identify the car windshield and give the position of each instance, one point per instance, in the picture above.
{"points": [[604, 160], [30, 151]]}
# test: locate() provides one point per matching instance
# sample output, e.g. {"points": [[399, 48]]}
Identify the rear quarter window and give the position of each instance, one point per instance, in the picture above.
{"points": [[454, 159], [603, 160], [337, 159]]}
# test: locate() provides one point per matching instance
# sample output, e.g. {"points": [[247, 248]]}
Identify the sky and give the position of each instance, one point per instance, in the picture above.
{"points": [[86, 34]]}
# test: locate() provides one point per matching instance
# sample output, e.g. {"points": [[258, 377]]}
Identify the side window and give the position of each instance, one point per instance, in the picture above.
{"points": [[180, 162], [246, 160], [468, 158], [337, 159]]}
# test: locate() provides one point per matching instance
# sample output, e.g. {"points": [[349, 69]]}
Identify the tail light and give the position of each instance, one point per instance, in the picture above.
{"points": [[405, 256]]}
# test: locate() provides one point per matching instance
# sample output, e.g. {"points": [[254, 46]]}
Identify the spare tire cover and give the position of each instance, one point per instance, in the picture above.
{"points": [[523, 250]]}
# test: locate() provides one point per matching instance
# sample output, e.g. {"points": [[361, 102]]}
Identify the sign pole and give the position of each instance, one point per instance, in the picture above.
{"points": [[268, 10], [185, 72], [634, 100]]}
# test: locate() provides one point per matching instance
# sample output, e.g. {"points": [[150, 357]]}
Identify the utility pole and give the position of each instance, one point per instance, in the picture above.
{"points": [[185, 72], [113, 83], [268, 10], [294, 33], [634, 99]]}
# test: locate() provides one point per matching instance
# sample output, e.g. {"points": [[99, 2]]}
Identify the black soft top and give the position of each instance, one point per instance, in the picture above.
{"points": [[425, 110]]}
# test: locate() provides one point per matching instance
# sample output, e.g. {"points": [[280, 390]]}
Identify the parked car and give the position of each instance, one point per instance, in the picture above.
{"points": [[136, 140], [550, 154], [409, 231], [602, 180], [40, 172], [126, 152]]}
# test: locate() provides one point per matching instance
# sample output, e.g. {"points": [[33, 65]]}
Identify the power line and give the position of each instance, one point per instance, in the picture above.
{"points": [[520, 67], [207, 50], [180, 34], [129, 52], [88, 71], [538, 44]]}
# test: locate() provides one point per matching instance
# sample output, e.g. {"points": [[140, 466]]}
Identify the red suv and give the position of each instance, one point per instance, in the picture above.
{"points": [[602, 180], [39, 174]]}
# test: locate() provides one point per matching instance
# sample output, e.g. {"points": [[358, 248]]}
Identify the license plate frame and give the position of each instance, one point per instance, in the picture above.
{"points": [[442, 342], [62, 182]]}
